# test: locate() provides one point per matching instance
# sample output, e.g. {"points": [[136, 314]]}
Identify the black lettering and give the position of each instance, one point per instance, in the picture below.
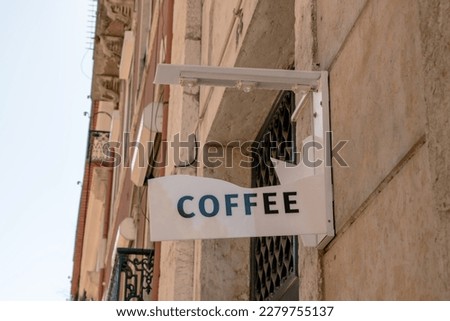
{"points": [[268, 202], [288, 202]]}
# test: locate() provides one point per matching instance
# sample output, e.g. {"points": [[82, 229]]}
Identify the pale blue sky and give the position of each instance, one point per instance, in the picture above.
{"points": [[43, 92]]}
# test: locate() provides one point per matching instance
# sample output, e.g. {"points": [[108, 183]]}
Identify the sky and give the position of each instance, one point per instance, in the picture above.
{"points": [[45, 71]]}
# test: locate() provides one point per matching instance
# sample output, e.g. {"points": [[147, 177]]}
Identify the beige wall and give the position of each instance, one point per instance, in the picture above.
{"points": [[390, 251], [177, 257], [391, 243], [92, 260], [223, 263]]}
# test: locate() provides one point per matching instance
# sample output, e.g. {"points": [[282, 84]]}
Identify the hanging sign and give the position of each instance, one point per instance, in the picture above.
{"points": [[185, 207]]}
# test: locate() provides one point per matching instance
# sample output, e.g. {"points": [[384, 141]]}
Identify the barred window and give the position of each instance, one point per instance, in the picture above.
{"points": [[273, 260]]}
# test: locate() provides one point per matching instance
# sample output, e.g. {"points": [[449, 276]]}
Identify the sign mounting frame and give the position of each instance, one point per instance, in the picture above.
{"points": [[310, 87]]}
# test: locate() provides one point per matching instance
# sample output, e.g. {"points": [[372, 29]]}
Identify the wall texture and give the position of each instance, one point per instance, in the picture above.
{"points": [[435, 42], [389, 100]]}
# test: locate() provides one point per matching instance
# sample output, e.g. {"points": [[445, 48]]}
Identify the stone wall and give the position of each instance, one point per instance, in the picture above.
{"points": [[177, 257], [389, 100]]}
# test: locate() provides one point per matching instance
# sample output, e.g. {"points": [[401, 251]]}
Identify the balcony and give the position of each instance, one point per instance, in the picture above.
{"points": [[97, 153], [131, 277]]}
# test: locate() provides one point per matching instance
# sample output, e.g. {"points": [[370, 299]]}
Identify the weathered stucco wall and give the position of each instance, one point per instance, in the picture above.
{"points": [[184, 102], [377, 106], [390, 252], [388, 63], [435, 35], [177, 257], [335, 20], [266, 40], [223, 263], [435, 40], [91, 262], [222, 268]]}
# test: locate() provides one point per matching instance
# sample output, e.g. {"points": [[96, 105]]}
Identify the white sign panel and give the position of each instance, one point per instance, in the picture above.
{"points": [[189, 207]]}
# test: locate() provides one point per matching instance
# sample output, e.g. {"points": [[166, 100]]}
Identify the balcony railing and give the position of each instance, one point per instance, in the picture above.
{"points": [[97, 153], [131, 278]]}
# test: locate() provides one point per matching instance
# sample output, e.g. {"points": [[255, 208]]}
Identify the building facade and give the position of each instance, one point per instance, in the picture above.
{"points": [[389, 105]]}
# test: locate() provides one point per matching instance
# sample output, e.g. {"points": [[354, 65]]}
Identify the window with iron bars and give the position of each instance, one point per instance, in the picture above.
{"points": [[273, 260]]}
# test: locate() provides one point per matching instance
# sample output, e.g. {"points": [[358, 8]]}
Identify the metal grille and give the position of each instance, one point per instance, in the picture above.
{"points": [[132, 275], [274, 259], [96, 151]]}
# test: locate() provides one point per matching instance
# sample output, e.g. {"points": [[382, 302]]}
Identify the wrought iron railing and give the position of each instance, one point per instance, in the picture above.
{"points": [[131, 277], [97, 153]]}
